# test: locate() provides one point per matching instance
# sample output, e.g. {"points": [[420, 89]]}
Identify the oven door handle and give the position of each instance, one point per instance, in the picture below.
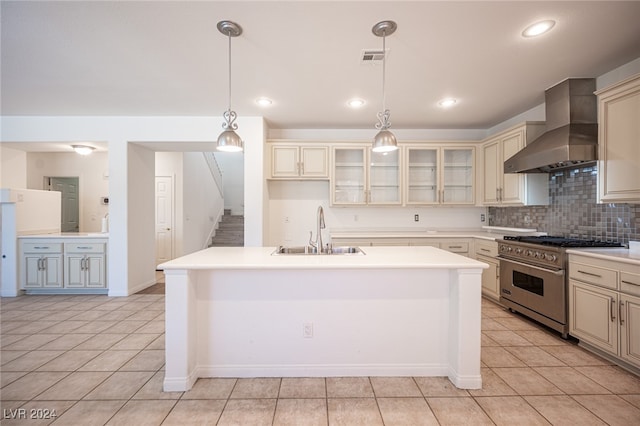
{"points": [[550, 271]]}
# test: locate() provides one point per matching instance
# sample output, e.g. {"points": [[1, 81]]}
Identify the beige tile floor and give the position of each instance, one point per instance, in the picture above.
{"points": [[96, 360]]}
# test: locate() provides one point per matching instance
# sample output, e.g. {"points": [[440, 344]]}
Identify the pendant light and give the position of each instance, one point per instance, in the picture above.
{"points": [[384, 141], [229, 140]]}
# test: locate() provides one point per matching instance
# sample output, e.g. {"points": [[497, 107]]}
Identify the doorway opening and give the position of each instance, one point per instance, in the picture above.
{"points": [[70, 203]]}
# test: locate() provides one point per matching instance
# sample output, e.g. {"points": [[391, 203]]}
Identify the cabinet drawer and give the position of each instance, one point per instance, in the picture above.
{"points": [[486, 248], [84, 247], [594, 275], [455, 247], [630, 283], [42, 247]]}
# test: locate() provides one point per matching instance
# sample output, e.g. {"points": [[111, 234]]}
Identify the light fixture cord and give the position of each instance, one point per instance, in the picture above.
{"points": [[384, 67], [229, 36]]}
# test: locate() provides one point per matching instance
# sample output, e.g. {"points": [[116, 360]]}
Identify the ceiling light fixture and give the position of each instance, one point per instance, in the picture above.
{"points": [[384, 141], [83, 149], [356, 103], [229, 140], [264, 101], [447, 102], [538, 28]]}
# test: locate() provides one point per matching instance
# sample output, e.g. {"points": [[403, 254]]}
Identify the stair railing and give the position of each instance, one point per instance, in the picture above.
{"points": [[214, 168]]}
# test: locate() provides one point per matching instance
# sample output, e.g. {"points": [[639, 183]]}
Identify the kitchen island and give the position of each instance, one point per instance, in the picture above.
{"points": [[394, 311]]}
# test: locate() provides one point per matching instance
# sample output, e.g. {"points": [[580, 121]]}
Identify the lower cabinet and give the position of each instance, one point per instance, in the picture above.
{"points": [[50, 264], [486, 251], [84, 265], [604, 307], [41, 266]]}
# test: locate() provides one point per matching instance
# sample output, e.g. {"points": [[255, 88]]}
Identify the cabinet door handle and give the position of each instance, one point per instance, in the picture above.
{"points": [[629, 282], [40, 268], [41, 247], [613, 310], [590, 274], [484, 249], [301, 168], [459, 247], [621, 312], [83, 248]]}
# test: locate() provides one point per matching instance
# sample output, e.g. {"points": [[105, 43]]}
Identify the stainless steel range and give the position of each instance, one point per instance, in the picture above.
{"points": [[533, 276]]}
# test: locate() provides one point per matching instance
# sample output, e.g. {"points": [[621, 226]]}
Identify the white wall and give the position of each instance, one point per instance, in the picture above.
{"points": [[232, 166], [131, 183], [203, 203], [13, 168], [92, 171], [293, 206]]}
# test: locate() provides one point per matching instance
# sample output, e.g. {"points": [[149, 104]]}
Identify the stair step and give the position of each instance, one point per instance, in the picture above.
{"points": [[230, 232]]}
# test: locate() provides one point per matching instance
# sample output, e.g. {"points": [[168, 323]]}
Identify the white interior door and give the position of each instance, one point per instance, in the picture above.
{"points": [[164, 219], [68, 186]]}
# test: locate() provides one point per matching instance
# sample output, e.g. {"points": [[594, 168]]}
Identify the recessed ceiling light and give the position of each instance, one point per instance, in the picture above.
{"points": [[83, 149], [264, 101], [447, 102], [538, 28], [356, 103]]}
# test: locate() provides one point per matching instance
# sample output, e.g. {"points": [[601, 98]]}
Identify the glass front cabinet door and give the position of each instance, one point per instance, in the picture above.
{"points": [[361, 176], [439, 175]]}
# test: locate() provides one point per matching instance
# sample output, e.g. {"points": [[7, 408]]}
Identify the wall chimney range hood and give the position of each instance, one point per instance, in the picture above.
{"points": [[572, 130]]}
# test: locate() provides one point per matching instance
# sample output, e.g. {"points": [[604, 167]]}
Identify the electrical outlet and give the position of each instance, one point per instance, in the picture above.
{"points": [[286, 219], [416, 218], [482, 218], [307, 330]]}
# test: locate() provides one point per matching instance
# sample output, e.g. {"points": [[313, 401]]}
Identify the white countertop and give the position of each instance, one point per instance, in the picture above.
{"points": [[67, 235], [374, 258], [486, 234], [616, 254]]}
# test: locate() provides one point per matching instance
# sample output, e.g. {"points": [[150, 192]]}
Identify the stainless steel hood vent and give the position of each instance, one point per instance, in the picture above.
{"points": [[572, 130]]}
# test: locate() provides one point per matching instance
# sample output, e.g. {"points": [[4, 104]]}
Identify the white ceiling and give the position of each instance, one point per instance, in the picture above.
{"points": [[158, 58]]}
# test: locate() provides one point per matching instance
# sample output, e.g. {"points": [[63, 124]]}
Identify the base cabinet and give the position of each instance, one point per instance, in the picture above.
{"points": [[604, 307], [486, 251], [41, 266], [85, 266], [51, 265]]}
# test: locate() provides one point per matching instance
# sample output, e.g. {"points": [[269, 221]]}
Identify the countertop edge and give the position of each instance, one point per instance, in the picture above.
{"points": [[615, 254]]}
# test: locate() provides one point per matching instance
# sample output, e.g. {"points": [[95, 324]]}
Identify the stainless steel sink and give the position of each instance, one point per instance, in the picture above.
{"points": [[310, 250]]}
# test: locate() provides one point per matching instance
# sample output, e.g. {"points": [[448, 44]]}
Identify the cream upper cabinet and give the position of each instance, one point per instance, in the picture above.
{"points": [[619, 142], [361, 176], [439, 175], [292, 161], [499, 188]]}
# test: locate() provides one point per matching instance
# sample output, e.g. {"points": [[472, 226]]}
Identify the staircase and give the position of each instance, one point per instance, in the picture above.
{"points": [[230, 232]]}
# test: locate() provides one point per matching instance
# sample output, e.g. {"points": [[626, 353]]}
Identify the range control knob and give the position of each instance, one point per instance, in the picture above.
{"points": [[550, 257], [538, 255], [518, 250], [530, 253]]}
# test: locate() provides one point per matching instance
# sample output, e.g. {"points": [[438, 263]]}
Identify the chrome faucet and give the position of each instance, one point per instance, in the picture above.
{"points": [[318, 242]]}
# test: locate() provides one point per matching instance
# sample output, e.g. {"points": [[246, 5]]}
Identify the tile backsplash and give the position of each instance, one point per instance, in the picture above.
{"points": [[573, 211]]}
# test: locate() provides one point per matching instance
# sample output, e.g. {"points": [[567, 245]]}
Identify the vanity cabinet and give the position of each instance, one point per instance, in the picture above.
{"points": [[514, 189], [41, 265], [487, 251], [85, 265], [439, 175], [604, 307], [291, 161], [363, 177], [619, 142]]}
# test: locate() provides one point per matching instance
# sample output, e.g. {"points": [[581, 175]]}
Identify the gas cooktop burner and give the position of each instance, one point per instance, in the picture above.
{"points": [[561, 241]]}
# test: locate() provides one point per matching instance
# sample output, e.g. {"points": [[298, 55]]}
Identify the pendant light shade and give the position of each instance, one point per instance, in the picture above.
{"points": [[384, 141], [229, 140]]}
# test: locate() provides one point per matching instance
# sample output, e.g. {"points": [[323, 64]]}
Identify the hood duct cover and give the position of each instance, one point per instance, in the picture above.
{"points": [[572, 131]]}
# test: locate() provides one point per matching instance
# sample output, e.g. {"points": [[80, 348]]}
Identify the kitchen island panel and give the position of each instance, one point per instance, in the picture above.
{"points": [[373, 322]]}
